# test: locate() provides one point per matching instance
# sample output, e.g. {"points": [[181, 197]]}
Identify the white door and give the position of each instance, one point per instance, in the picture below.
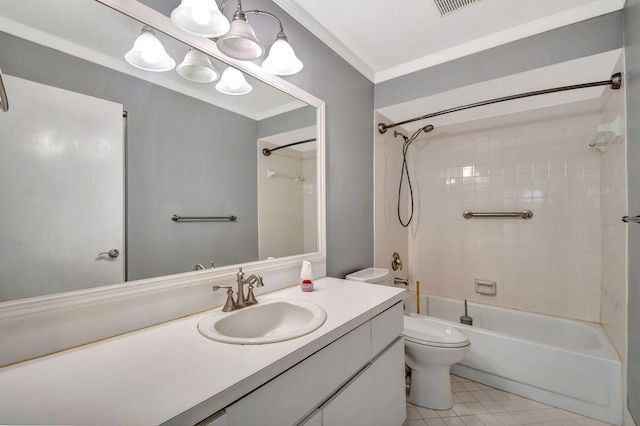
{"points": [[61, 191]]}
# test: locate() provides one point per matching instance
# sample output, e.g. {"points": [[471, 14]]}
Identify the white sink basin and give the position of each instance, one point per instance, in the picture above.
{"points": [[267, 322]]}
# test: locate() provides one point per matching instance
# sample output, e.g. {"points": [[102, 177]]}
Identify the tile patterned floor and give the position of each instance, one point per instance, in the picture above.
{"points": [[475, 404]]}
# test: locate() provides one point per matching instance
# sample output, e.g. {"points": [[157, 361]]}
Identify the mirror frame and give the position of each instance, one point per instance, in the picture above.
{"points": [[14, 309]]}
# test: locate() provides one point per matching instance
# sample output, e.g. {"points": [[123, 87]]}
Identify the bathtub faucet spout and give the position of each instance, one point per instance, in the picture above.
{"points": [[403, 281]]}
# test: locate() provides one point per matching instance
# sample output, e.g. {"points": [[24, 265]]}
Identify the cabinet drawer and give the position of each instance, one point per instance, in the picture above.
{"points": [[290, 396], [386, 327]]}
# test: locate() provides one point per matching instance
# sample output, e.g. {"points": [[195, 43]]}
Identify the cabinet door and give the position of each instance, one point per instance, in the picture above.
{"points": [[353, 405], [389, 408], [376, 397]]}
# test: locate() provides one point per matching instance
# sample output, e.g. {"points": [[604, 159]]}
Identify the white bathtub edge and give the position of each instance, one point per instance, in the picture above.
{"points": [[508, 370]]}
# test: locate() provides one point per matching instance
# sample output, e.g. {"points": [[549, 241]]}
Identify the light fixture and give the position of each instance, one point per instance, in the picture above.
{"points": [[282, 59], [240, 42], [233, 82], [148, 53], [200, 17], [197, 67]]}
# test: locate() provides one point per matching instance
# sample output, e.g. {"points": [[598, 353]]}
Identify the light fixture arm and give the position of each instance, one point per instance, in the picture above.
{"points": [[255, 12], [262, 12], [281, 59]]}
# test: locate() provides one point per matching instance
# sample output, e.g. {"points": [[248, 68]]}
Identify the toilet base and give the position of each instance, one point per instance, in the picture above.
{"points": [[431, 389]]}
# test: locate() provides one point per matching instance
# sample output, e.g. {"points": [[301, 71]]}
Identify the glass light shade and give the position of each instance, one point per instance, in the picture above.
{"points": [[233, 82], [197, 67], [282, 59], [240, 42], [200, 17], [149, 54]]}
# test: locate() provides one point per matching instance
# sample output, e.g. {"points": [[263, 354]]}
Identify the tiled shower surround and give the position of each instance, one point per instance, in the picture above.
{"points": [[536, 160]]}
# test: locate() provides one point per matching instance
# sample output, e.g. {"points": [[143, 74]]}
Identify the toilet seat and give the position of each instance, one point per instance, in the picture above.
{"points": [[429, 333]]}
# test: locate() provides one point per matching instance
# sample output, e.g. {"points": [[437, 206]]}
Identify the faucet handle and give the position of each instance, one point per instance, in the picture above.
{"points": [[229, 305], [251, 299]]}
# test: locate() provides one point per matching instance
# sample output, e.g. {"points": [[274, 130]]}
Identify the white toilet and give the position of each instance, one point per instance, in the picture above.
{"points": [[431, 348], [370, 275]]}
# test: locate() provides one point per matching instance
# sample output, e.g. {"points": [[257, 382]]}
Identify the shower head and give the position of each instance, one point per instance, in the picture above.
{"points": [[425, 129], [415, 134], [396, 134]]}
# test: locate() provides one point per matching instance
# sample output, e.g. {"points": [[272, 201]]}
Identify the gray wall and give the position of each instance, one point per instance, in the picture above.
{"points": [[632, 53], [349, 137], [349, 133], [298, 119], [183, 157], [585, 38]]}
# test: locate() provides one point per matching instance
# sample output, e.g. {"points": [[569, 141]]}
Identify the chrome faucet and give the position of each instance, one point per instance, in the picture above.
{"points": [[251, 280]]}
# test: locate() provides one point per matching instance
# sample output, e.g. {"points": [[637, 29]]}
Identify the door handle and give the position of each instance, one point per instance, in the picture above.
{"points": [[113, 253]]}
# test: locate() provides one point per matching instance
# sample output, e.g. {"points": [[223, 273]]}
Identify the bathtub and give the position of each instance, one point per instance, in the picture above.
{"points": [[564, 363]]}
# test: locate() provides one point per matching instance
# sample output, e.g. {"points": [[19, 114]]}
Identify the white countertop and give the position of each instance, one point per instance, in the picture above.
{"points": [[152, 375]]}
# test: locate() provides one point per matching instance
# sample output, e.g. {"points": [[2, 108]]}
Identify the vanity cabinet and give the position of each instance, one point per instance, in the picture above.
{"points": [[374, 397], [356, 380]]}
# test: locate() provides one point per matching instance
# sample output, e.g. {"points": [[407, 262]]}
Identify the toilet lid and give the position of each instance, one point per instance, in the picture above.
{"points": [[427, 332]]}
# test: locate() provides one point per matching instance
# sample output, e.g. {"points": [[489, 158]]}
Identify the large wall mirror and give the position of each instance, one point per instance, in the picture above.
{"points": [[98, 156]]}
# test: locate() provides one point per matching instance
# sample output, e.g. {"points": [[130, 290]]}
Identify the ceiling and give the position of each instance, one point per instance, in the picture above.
{"points": [[385, 39]]}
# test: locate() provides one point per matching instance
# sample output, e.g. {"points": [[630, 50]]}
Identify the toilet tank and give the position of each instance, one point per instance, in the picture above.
{"points": [[370, 275]]}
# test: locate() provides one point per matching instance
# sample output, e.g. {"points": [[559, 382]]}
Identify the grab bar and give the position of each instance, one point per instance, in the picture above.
{"points": [[632, 219], [4, 101], [525, 214], [177, 218]]}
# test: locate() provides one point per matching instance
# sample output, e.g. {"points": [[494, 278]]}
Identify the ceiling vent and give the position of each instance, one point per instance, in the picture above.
{"points": [[446, 7]]}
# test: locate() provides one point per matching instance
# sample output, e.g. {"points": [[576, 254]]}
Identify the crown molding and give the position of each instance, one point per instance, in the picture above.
{"points": [[519, 32]]}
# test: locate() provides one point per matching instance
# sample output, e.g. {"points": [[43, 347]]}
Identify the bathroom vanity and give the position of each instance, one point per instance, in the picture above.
{"points": [[348, 371]]}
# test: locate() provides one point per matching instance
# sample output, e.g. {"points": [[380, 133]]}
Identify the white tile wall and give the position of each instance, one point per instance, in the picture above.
{"points": [[285, 233], [537, 160], [389, 235], [614, 231]]}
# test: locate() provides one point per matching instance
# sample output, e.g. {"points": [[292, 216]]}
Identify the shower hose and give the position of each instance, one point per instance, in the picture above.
{"points": [[405, 170]]}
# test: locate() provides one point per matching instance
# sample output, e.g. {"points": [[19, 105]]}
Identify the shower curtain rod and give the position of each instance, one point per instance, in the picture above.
{"points": [[267, 152], [615, 82]]}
